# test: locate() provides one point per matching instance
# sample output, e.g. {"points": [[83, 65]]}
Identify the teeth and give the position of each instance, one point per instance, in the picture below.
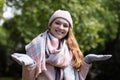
{"points": [[59, 32]]}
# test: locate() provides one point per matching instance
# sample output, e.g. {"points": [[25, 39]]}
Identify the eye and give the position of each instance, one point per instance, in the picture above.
{"points": [[66, 25], [58, 23]]}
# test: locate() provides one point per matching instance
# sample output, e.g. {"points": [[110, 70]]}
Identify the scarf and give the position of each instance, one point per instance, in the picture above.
{"points": [[45, 48]]}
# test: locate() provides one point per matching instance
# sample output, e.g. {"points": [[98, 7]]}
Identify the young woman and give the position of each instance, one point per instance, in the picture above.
{"points": [[55, 54]]}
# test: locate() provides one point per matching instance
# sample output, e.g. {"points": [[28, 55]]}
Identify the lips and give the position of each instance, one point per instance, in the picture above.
{"points": [[59, 32]]}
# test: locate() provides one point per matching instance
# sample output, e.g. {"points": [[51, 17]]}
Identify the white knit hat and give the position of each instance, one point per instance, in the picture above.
{"points": [[63, 14]]}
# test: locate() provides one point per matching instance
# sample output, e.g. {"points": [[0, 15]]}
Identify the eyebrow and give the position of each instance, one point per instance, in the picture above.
{"points": [[61, 21]]}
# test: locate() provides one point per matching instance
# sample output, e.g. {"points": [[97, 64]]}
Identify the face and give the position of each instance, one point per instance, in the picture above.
{"points": [[59, 28]]}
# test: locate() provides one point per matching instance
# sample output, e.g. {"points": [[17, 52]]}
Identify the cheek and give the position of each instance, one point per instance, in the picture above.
{"points": [[50, 28], [67, 30]]}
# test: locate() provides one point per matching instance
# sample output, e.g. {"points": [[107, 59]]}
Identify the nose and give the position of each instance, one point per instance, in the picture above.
{"points": [[61, 26]]}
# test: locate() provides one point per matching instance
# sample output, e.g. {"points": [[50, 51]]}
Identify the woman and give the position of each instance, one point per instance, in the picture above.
{"points": [[55, 54]]}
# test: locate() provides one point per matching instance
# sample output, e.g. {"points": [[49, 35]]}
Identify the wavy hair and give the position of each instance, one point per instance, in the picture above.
{"points": [[74, 47]]}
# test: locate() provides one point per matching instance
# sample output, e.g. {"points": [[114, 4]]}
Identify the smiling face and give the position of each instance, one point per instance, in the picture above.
{"points": [[59, 28]]}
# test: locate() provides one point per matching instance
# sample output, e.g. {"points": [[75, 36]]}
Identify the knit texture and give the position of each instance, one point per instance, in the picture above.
{"points": [[47, 55], [61, 14]]}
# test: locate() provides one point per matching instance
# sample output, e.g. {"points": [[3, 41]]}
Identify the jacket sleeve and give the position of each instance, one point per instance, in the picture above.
{"points": [[84, 70], [28, 72]]}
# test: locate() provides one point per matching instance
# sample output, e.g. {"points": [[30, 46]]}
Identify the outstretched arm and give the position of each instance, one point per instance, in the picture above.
{"points": [[22, 59], [93, 57], [88, 59]]}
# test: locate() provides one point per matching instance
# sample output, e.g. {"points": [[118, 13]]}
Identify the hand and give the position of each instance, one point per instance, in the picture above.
{"points": [[93, 57], [22, 59]]}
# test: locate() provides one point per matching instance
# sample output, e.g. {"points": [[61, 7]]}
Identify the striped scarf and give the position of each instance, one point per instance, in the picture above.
{"points": [[47, 49]]}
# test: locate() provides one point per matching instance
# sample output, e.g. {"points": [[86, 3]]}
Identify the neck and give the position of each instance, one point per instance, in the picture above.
{"points": [[55, 42]]}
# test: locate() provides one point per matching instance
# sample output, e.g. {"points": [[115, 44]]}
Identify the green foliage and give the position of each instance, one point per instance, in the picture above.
{"points": [[94, 24], [3, 36], [2, 3]]}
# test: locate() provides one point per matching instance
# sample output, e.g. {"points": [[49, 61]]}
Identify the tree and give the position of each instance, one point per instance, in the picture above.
{"points": [[91, 21], [2, 3], [111, 71]]}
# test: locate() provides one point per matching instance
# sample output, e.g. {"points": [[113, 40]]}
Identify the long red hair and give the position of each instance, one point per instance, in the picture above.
{"points": [[74, 47]]}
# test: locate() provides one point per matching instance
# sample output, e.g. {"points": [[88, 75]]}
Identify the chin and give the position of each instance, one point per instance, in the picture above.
{"points": [[59, 37]]}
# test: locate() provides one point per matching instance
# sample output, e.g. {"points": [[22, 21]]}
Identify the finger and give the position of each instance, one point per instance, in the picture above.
{"points": [[18, 54], [14, 56], [107, 56], [104, 57], [16, 59]]}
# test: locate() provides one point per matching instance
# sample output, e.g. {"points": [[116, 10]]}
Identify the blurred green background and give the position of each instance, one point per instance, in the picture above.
{"points": [[96, 27]]}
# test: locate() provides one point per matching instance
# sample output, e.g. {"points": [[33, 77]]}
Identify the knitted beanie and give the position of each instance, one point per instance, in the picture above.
{"points": [[61, 14]]}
